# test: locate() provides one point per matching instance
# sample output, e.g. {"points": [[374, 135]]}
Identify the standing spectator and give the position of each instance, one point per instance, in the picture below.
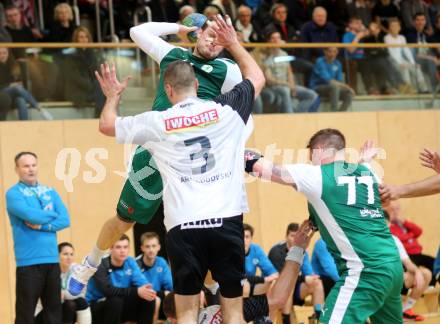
{"points": [[36, 213], [9, 85], [244, 25], [228, 7], [280, 79], [384, 10], [62, 29], [307, 284], [409, 8], [385, 77], [324, 265], [403, 58], [155, 268], [118, 292], [424, 56], [354, 56], [408, 233], [80, 84], [327, 80], [18, 31], [256, 258], [319, 30], [361, 9]]}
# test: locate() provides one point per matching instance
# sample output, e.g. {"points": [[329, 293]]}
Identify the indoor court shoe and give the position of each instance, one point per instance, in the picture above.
{"points": [[78, 278], [409, 315]]}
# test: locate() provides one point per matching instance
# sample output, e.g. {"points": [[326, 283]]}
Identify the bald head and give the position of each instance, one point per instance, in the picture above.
{"points": [[319, 16]]}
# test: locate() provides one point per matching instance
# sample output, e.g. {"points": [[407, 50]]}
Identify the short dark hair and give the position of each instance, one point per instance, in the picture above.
{"points": [[124, 237], [292, 227], [353, 18], [12, 7], [418, 14], [180, 75], [247, 227], [169, 306], [148, 236], [19, 155], [62, 245], [329, 138]]}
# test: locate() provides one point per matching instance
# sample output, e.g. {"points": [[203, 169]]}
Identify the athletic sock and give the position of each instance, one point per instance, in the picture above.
{"points": [[84, 316], [317, 309], [94, 258], [286, 318], [410, 302]]}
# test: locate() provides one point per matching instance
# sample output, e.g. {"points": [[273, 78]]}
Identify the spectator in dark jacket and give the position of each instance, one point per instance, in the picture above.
{"points": [[244, 25], [337, 12], [383, 10], [63, 26], [409, 8], [319, 30], [426, 57]]}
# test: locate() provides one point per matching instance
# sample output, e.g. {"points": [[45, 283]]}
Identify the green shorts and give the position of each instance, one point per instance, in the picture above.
{"points": [[142, 193], [374, 294]]}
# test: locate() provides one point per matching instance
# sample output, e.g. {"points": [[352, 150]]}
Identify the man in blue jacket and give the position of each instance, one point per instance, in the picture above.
{"points": [[324, 265], [119, 292], [36, 213], [327, 80]]}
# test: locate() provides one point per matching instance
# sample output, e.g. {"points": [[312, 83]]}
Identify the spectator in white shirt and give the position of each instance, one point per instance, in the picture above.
{"points": [[403, 58], [244, 25]]}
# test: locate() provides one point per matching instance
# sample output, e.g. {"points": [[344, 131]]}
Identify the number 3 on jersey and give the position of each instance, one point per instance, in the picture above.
{"points": [[351, 182], [203, 153]]}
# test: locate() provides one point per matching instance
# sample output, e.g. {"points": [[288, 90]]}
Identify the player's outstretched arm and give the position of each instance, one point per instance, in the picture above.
{"points": [[257, 166], [112, 89], [226, 36], [146, 36], [427, 187], [430, 159]]}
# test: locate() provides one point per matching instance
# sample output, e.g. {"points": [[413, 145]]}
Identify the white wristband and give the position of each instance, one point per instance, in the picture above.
{"points": [[296, 254]]}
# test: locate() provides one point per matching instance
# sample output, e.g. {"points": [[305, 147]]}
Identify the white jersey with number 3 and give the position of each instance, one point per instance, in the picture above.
{"points": [[198, 147]]}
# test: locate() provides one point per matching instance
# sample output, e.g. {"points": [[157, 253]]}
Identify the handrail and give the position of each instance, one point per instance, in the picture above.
{"points": [[250, 45]]}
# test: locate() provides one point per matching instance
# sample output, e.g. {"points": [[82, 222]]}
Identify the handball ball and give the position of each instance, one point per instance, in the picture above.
{"points": [[194, 19]]}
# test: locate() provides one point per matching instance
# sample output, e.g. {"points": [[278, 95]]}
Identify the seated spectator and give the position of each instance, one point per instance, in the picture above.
{"points": [[74, 310], [361, 9], [63, 26], [5, 105], [424, 56], [385, 77], [319, 30], [403, 58], [155, 268], [324, 265], [119, 292], [409, 8], [18, 31], [256, 258], [80, 85], [434, 11], [280, 79], [408, 233], [414, 278], [327, 80], [280, 24], [10, 84], [185, 11], [307, 284], [244, 26], [355, 56], [299, 12], [384, 10], [228, 7], [211, 10], [337, 13]]}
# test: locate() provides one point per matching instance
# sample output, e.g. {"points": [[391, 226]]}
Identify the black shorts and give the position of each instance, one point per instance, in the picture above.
{"points": [[297, 291], [193, 251]]}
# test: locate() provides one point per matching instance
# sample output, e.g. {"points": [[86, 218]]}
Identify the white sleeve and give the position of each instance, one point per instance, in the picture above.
{"points": [[307, 178], [139, 129], [402, 252], [233, 76], [407, 51], [146, 36]]}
